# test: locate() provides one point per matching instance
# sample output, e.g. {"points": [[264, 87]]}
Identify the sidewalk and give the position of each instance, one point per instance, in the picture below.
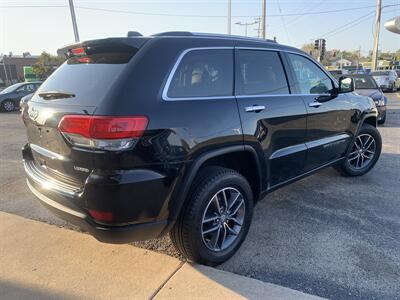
{"points": [[40, 261]]}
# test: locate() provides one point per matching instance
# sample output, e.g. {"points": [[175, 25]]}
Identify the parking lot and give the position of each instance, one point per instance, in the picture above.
{"points": [[326, 235]]}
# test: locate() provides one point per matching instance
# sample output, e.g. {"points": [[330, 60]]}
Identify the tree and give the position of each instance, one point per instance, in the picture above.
{"points": [[308, 48], [46, 65]]}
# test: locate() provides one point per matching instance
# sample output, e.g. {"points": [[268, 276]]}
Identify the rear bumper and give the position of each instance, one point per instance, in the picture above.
{"points": [[103, 233]]}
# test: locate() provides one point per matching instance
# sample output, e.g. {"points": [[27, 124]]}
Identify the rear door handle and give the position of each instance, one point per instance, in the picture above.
{"points": [[255, 108], [314, 104]]}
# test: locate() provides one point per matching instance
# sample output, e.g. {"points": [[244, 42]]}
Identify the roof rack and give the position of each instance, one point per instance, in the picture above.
{"points": [[217, 35], [174, 33]]}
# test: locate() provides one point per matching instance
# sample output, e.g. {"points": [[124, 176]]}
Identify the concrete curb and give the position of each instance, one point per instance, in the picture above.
{"points": [[41, 261]]}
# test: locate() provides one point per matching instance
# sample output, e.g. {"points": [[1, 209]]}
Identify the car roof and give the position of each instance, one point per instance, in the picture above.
{"points": [[137, 40]]}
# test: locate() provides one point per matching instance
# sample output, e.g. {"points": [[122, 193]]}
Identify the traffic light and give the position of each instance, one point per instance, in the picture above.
{"points": [[316, 44], [323, 48]]}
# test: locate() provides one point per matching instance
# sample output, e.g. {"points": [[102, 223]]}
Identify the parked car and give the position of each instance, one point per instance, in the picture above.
{"points": [[387, 80], [11, 96], [365, 85], [132, 138], [336, 73]]}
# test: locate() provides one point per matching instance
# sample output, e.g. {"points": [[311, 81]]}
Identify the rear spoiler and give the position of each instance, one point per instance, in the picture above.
{"points": [[104, 45]]}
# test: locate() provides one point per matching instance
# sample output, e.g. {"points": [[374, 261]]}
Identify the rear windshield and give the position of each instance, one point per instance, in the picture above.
{"points": [[364, 82], [88, 77]]}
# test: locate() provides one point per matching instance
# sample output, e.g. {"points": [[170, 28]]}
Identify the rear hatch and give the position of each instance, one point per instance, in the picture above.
{"points": [[77, 87]]}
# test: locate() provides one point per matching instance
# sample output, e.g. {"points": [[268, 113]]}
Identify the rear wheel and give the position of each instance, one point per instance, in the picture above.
{"points": [[216, 218], [7, 105], [364, 153]]}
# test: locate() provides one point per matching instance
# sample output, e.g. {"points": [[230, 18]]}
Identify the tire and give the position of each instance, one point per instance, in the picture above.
{"points": [[383, 120], [189, 234], [352, 165], [7, 106], [394, 89]]}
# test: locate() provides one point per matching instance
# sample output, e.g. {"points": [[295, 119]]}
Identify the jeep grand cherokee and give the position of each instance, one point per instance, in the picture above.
{"points": [[132, 138]]}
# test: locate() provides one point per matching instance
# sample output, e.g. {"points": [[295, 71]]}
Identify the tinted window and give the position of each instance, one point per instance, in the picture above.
{"points": [[90, 76], [310, 79], [261, 72], [203, 73], [364, 82]]}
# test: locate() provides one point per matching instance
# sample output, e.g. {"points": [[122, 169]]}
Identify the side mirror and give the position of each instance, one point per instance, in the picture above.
{"points": [[346, 84]]}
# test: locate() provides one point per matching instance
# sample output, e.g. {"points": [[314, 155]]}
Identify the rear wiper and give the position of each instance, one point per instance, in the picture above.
{"points": [[51, 95]]}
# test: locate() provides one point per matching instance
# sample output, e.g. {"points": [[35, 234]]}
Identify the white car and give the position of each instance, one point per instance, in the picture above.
{"points": [[387, 80]]}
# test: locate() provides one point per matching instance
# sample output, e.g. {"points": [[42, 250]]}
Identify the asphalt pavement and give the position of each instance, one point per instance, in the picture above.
{"points": [[325, 235]]}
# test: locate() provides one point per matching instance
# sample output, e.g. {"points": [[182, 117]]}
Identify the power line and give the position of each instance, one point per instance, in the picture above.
{"points": [[347, 24], [192, 15]]}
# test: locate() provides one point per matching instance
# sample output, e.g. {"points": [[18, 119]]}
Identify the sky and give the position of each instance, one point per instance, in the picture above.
{"points": [[36, 26]]}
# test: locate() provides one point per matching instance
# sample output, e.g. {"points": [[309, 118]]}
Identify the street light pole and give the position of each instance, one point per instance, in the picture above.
{"points": [[71, 7], [229, 16], [245, 24], [376, 34]]}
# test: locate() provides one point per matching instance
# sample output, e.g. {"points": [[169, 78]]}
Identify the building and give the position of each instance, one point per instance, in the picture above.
{"points": [[341, 62], [12, 67]]}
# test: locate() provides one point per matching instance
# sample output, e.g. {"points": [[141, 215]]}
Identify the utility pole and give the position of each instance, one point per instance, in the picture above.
{"points": [[229, 16], [376, 34], [5, 69], [71, 7], [263, 20]]}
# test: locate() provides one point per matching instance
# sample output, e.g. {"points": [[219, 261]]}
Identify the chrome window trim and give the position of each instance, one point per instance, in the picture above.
{"points": [[165, 97], [175, 67]]}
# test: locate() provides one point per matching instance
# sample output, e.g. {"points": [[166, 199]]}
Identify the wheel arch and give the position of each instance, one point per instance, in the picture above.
{"points": [[224, 157]]}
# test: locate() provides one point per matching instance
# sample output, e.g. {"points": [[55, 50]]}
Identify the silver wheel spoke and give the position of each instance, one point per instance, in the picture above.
{"points": [[225, 200], [370, 144], [215, 238], [234, 201], [353, 158], [366, 142], [211, 229], [237, 208], [223, 229], [215, 200], [210, 219], [230, 230], [236, 221]]}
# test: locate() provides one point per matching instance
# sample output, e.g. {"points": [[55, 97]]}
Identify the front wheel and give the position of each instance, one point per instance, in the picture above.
{"points": [[216, 218], [7, 106], [365, 152]]}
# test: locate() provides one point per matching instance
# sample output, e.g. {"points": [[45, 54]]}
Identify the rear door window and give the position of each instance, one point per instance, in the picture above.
{"points": [[261, 73], [203, 73]]}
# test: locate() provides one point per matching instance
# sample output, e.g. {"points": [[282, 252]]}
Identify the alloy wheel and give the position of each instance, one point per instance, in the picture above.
{"points": [[8, 105], [363, 152], [223, 219]]}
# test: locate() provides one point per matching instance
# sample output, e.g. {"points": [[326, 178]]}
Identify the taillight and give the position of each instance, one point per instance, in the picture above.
{"points": [[103, 216], [78, 51], [101, 132]]}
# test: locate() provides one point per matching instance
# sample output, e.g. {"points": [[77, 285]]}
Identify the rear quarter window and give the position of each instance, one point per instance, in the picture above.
{"points": [[203, 73]]}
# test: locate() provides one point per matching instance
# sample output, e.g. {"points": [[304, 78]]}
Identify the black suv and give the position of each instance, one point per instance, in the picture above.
{"points": [[135, 137]]}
